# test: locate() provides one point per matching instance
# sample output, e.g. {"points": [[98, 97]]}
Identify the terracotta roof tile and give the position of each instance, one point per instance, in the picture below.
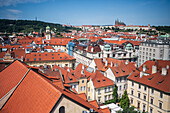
{"points": [[83, 96], [99, 80], [156, 80], [11, 76]]}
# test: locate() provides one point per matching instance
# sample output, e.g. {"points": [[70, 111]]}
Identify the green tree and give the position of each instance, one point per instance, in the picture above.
{"points": [[115, 95], [129, 110], [124, 103]]}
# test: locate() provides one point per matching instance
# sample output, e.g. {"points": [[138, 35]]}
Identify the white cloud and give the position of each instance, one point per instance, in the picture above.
{"points": [[14, 2], [14, 11]]}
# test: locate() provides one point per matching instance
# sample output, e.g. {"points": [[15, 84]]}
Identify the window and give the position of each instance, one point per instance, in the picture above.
{"points": [[125, 86], [145, 88], [153, 50], [120, 87], [109, 97], [109, 89], [138, 94], [161, 95], [138, 106], [105, 89], [105, 97], [34, 59], [52, 57], [132, 83], [62, 109], [151, 100], [99, 99], [131, 101], [82, 81], [160, 104], [27, 59], [120, 79], [88, 89], [139, 86], [151, 110], [99, 91], [39, 58], [131, 91], [144, 97], [152, 91], [144, 107], [83, 88]]}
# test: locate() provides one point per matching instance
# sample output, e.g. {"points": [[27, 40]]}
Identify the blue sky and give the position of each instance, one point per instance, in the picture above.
{"points": [[88, 12]]}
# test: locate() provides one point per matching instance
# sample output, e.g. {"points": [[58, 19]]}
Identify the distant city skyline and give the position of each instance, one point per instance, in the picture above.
{"points": [[88, 12]]}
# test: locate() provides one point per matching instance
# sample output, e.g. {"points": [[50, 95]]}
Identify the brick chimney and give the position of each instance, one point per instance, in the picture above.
{"points": [[154, 69], [164, 71], [111, 64]]}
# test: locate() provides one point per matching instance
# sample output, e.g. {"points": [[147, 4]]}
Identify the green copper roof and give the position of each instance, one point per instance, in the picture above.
{"points": [[47, 27]]}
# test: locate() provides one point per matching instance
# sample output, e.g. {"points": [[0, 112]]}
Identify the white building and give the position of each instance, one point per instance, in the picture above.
{"points": [[159, 49]]}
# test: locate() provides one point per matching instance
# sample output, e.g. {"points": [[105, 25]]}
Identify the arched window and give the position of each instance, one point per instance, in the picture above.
{"points": [[62, 109]]}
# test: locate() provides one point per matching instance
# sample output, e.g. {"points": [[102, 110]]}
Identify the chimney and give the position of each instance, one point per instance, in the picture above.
{"points": [[154, 69], [144, 68], [141, 74], [106, 63], [104, 59], [82, 71], [116, 65], [127, 62], [164, 71], [111, 64], [68, 70]]}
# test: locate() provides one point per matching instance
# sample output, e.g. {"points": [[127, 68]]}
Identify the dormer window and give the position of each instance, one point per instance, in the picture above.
{"points": [[34, 59], [27, 59]]}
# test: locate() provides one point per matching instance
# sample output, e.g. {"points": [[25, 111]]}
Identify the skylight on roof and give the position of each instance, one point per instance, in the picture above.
{"points": [[160, 81], [150, 78], [89, 69]]}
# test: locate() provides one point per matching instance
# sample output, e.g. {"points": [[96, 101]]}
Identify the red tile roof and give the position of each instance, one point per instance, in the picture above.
{"points": [[11, 76], [83, 96], [47, 56], [105, 110], [156, 80], [94, 103], [99, 63], [99, 80], [35, 93]]}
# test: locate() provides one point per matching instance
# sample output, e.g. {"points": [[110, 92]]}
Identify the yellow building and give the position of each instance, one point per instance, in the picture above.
{"points": [[149, 89], [100, 88]]}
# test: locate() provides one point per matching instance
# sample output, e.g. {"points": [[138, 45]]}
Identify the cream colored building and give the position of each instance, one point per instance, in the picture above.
{"points": [[151, 92], [100, 88]]}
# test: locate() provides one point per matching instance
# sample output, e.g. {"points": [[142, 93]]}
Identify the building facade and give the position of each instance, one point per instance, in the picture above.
{"points": [[153, 50]]}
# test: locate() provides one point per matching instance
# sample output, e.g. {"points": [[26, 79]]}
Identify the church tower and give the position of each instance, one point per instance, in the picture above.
{"points": [[48, 33]]}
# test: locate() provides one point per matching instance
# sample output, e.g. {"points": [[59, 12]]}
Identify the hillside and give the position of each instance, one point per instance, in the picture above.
{"points": [[27, 26]]}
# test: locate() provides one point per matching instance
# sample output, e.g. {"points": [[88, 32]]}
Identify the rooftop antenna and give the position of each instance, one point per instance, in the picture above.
{"points": [[35, 18]]}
